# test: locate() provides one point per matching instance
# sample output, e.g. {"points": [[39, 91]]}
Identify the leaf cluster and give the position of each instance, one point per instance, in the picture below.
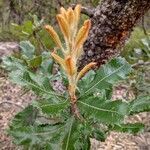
{"points": [[47, 122]]}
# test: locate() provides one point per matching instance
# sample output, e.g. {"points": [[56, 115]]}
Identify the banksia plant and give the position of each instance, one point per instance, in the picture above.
{"points": [[85, 110]]}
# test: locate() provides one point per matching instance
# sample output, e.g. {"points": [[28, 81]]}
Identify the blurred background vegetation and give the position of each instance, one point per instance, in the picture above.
{"points": [[17, 15], [23, 20]]}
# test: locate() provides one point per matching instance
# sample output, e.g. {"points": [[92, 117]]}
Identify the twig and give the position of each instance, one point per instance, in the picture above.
{"points": [[86, 10], [140, 64], [12, 104]]}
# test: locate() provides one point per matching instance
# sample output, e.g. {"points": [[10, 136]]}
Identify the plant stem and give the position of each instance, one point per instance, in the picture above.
{"points": [[73, 98], [75, 111]]}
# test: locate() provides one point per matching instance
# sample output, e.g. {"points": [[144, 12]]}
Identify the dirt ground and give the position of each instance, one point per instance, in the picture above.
{"points": [[12, 102]]}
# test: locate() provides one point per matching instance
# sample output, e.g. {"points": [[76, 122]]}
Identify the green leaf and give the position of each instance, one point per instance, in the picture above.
{"points": [[27, 48], [34, 136], [59, 136], [47, 63], [108, 112], [47, 66], [51, 108], [86, 81], [11, 63], [69, 140], [141, 104], [130, 128], [106, 76], [37, 137], [108, 93], [98, 135], [25, 117], [39, 84], [77, 137], [35, 62]]}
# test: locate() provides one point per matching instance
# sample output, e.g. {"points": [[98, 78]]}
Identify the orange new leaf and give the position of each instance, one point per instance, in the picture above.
{"points": [[54, 35], [77, 12], [70, 66], [70, 16], [82, 34], [64, 26], [63, 12], [85, 70], [58, 59]]}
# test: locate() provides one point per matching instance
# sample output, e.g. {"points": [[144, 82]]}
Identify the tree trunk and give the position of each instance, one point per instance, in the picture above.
{"points": [[112, 23]]}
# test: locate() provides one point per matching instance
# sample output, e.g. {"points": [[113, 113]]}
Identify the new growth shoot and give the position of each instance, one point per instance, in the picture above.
{"points": [[68, 21]]}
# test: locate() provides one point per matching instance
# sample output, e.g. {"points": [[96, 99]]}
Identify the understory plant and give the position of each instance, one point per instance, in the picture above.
{"points": [[67, 119]]}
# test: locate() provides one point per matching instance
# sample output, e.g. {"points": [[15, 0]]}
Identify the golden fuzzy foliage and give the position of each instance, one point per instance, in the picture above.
{"points": [[64, 26], [59, 60], [63, 12], [77, 12], [54, 35], [68, 21], [70, 66], [85, 70], [70, 16], [82, 34]]}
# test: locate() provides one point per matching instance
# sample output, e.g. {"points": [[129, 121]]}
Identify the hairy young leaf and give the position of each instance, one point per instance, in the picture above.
{"points": [[141, 104], [108, 75]]}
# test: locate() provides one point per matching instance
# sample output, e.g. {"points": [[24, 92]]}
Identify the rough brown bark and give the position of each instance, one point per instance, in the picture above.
{"points": [[112, 23]]}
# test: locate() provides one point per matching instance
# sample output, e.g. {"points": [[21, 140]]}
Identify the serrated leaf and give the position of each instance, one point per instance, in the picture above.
{"points": [[130, 128], [12, 63], [86, 81], [107, 75], [141, 104], [69, 140], [60, 136], [108, 112], [25, 117], [37, 137], [8, 63], [40, 86], [27, 48], [50, 108], [77, 137]]}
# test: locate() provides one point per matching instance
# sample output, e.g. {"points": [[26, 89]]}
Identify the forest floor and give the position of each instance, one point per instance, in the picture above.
{"points": [[12, 102]]}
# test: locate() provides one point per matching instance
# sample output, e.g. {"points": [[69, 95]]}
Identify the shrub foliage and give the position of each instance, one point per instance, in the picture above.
{"points": [[67, 120]]}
